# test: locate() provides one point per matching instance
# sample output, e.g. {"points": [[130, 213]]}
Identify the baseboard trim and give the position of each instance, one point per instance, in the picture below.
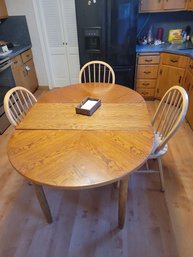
{"points": [[43, 87]]}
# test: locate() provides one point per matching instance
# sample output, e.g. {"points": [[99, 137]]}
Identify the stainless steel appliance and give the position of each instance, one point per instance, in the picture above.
{"points": [[6, 82], [107, 31]]}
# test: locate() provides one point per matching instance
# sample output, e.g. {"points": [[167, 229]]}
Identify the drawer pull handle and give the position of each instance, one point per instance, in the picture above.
{"points": [[15, 62], [173, 60], [148, 60], [27, 55], [145, 84], [180, 79], [27, 68], [147, 72]]}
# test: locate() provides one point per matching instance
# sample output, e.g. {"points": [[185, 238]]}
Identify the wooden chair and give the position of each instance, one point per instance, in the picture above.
{"points": [[168, 117], [17, 103], [97, 71]]}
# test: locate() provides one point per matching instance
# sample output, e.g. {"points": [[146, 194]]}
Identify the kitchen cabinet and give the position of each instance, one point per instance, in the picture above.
{"points": [[190, 4], [171, 72], [150, 5], [188, 85], [188, 79], [161, 5], [146, 74], [3, 10], [24, 71], [174, 5], [189, 115]]}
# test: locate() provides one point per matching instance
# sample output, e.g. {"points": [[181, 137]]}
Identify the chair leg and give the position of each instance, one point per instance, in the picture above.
{"points": [[161, 174], [147, 165], [116, 184]]}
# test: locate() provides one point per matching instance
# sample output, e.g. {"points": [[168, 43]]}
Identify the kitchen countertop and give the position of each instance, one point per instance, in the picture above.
{"points": [[16, 50], [170, 48]]}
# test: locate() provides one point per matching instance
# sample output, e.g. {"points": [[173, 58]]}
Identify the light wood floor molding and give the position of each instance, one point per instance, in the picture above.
{"points": [[85, 222]]}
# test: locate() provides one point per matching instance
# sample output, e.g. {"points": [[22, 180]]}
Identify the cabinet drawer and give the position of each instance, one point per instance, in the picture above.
{"points": [[147, 71], [16, 62], [145, 83], [26, 56], [146, 93], [174, 60], [148, 59]]}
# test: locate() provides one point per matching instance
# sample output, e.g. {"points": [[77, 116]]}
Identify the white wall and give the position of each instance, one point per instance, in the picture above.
{"points": [[25, 7]]}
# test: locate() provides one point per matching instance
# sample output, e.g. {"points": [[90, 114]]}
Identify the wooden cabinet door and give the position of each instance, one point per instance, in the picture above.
{"points": [[29, 76], [16, 69], [188, 85], [151, 5], [188, 81], [189, 115], [174, 5], [168, 77], [190, 4], [24, 73], [3, 10]]}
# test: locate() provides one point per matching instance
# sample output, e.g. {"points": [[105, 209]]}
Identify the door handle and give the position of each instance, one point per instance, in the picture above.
{"points": [[173, 60], [180, 79], [5, 66]]}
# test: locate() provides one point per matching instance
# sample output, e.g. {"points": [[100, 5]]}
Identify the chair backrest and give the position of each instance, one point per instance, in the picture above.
{"points": [[97, 71], [17, 103], [169, 115]]}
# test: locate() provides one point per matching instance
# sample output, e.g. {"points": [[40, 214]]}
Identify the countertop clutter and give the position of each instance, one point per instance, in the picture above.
{"points": [[14, 51], [183, 49], [15, 35]]}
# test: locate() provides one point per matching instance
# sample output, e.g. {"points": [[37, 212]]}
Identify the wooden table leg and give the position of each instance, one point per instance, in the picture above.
{"points": [[43, 202], [123, 189]]}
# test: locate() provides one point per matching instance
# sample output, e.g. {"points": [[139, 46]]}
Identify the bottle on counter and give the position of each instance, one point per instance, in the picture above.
{"points": [[188, 30], [150, 36], [160, 32], [184, 35]]}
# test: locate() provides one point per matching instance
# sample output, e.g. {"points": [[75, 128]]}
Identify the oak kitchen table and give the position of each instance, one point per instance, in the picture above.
{"points": [[56, 147]]}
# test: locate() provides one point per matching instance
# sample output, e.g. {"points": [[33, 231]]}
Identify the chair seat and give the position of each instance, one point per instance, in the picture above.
{"points": [[157, 140]]}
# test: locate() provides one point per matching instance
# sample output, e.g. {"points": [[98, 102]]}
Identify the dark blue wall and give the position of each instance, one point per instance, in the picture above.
{"points": [[15, 30], [169, 20]]}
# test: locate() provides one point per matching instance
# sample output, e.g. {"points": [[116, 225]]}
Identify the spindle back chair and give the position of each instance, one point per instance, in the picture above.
{"points": [[97, 71], [17, 103]]}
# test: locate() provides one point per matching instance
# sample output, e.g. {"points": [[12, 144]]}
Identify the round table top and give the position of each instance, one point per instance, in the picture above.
{"points": [[55, 146]]}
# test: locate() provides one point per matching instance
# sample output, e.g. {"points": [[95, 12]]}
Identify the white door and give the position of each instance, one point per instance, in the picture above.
{"points": [[59, 36]]}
